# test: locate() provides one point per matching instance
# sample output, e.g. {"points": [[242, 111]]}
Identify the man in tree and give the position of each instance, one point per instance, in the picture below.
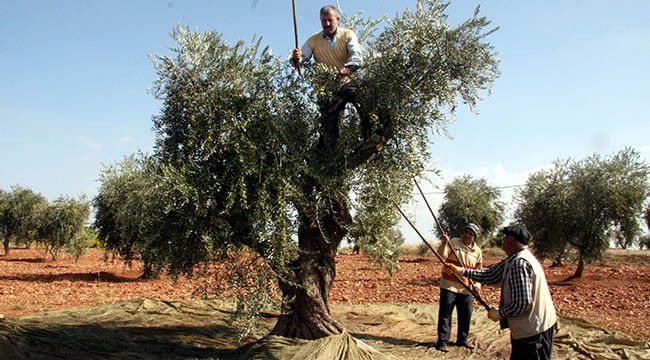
{"points": [[452, 293], [270, 171], [526, 306], [334, 46]]}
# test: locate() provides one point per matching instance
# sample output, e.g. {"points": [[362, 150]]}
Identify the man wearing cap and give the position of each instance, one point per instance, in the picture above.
{"points": [[526, 306], [452, 293]]}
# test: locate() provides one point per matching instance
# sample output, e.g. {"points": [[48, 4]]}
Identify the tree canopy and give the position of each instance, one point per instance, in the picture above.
{"points": [[252, 157], [585, 204], [471, 200], [61, 225], [27, 216], [18, 214]]}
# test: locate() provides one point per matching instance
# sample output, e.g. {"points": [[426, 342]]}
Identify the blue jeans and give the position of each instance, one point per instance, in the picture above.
{"points": [[464, 305]]}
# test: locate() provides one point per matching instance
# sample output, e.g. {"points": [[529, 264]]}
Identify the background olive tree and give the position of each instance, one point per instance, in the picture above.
{"points": [[545, 208], [122, 212], [272, 170], [583, 203], [644, 240], [61, 226], [471, 200], [19, 214], [26, 216]]}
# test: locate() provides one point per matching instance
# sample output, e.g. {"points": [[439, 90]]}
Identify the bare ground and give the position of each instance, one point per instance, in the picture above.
{"points": [[614, 294]]}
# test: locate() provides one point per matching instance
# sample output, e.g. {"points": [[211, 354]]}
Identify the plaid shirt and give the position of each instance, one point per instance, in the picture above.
{"points": [[520, 280]]}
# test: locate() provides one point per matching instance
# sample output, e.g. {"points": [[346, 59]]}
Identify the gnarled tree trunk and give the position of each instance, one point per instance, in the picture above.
{"points": [[307, 313]]}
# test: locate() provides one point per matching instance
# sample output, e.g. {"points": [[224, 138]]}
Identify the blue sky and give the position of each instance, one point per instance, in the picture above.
{"points": [[74, 78]]}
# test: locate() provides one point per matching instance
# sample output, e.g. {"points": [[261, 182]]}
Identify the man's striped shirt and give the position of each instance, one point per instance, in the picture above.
{"points": [[520, 280]]}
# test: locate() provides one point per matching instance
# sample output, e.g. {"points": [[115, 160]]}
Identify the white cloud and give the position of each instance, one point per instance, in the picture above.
{"points": [[127, 140], [89, 143], [499, 170], [644, 149]]}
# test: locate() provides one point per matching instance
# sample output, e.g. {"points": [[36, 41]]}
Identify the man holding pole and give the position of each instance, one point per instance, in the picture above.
{"points": [[464, 253], [526, 306], [334, 46]]}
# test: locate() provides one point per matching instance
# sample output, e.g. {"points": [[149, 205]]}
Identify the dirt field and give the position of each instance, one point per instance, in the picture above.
{"points": [[615, 294]]}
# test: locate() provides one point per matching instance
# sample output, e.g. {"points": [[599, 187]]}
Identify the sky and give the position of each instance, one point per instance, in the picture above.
{"points": [[75, 78]]}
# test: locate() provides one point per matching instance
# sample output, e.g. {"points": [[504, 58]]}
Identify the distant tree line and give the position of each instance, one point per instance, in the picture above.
{"points": [[581, 205], [27, 217], [584, 205]]}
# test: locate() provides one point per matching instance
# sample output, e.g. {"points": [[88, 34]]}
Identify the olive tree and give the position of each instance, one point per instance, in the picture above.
{"points": [[545, 208], [471, 200], [121, 210], [581, 203], [253, 156], [61, 225], [18, 213]]}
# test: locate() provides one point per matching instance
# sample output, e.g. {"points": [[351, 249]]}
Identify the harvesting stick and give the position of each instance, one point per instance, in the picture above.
{"points": [[471, 291], [295, 32], [442, 231]]}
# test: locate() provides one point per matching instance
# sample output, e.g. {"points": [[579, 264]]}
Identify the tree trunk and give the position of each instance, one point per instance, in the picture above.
{"points": [[6, 245], [558, 261], [306, 313], [148, 272], [580, 269]]}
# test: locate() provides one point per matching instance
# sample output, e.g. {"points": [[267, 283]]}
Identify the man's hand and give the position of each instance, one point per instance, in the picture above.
{"points": [[494, 315], [458, 270], [297, 56], [345, 71], [444, 238]]}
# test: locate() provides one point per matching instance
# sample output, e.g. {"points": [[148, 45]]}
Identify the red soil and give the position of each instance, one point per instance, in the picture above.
{"points": [[615, 294]]}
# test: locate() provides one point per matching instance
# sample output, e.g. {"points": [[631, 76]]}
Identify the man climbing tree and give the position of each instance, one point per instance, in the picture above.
{"points": [[248, 160], [336, 47]]}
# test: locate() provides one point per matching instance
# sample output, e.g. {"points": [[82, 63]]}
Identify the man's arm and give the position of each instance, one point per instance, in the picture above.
{"points": [[301, 55], [356, 53], [443, 250], [489, 275], [520, 281]]}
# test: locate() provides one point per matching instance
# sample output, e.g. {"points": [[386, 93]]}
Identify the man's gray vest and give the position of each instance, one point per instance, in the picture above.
{"points": [[541, 314]]}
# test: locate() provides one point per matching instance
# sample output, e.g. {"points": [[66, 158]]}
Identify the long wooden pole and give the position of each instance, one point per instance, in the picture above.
{"points": [[442, 231], [295, 32], [471, 291]]}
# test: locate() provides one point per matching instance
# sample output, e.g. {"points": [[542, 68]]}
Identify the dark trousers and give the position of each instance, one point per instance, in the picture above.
{"points": [[538, 346], [464, 305]]}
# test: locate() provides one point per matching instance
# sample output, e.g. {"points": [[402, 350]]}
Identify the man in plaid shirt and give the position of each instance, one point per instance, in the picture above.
{"points": [[526, 306]]}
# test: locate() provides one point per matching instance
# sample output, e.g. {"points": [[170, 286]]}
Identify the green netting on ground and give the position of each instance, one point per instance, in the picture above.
{"points": [[154, 329]]}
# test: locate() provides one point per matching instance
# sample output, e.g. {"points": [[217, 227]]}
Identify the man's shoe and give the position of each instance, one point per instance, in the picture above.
{"points": [[465, 345], [442, 347]]}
